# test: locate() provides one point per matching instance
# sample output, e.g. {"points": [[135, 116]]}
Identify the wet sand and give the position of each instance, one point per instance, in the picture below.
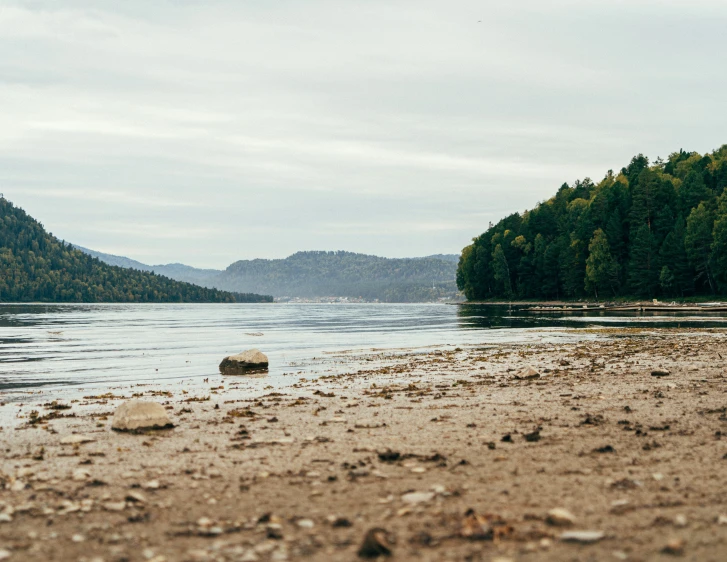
{"points": [[455, 455]]}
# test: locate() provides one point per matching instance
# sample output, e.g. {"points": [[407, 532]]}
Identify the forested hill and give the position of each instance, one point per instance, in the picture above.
{"points": [[36, 266], [651, 230], [344, 274]]}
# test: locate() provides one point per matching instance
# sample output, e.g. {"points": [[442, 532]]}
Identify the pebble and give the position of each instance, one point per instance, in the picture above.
{"points": [[151, 485], [582, 536], [560, 517], [5, 518], [78, 538], [660, 373], [4, 554], [722, 519], [305, 523], [680, 520], [417, 497], [674, 546], [76, 439], [114, 506]]}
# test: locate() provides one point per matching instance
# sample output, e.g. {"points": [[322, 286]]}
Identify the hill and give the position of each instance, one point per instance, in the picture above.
{"points": [[36, 266], [651, 230], [344, 274], [177, 271], [311, 275]]}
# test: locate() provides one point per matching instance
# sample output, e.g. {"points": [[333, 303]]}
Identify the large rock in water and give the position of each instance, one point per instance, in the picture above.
{"points": [[134, 415], [245, 362]]}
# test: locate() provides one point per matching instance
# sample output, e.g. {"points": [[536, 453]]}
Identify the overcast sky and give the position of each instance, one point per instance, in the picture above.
{"points": [[209, 131]]}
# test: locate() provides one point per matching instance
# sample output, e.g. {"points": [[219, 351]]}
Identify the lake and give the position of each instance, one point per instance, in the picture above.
{"points": [[69, 350]]}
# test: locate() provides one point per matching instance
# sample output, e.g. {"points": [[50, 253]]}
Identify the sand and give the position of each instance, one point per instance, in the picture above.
{"points": [[455, 455]]}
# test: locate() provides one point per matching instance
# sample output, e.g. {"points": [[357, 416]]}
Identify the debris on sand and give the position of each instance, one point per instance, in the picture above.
{"points": [[134, 415], [660, 373]]}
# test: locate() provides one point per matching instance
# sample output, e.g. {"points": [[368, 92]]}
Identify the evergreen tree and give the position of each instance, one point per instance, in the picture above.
{"points": [[698, 243], [674, 255], [643, 264], [692, 192], [601, 267]]}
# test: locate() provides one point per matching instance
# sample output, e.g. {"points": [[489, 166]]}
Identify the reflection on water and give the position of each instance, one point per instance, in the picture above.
{"points": [[60, 347]]}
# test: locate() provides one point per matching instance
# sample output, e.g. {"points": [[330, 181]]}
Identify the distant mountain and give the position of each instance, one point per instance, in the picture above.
{"points": [[446, 257], [36, 266], [177, 271], [344, 274], [322, 274]]}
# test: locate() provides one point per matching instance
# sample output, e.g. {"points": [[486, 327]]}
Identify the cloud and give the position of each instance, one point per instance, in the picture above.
{"points": [[263, 128]]}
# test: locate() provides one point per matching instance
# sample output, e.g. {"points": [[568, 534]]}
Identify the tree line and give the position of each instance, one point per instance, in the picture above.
{"points": [[652, 230], [35, 266]]}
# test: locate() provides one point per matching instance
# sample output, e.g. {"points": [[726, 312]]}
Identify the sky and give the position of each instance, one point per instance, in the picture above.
{"points": [[204, 132]]}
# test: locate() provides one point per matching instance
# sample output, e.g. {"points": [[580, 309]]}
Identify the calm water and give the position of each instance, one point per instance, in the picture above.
{"points": [[67, 349]]}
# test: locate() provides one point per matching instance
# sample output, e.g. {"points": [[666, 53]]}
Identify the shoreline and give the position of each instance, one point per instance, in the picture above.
{"points": [[408, 444]]}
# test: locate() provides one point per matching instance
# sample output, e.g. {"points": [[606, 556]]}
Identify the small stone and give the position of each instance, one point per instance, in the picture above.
{"points": [[4, 554], [78, 538], [660, 373], [5, 518], [413, 498], [151, 485], [114, 506], [136, 497], [722, 519], [560, 517], [76, 439], [529, 372], [658, 476], [376, 543], [582, 536], [134, 415], [680, 520], [674, 546], [305, 523], [204, 522]]}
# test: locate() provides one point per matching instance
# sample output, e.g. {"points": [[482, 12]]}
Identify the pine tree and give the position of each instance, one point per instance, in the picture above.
{"points": [[698, 243], [674, 255], [643, 263], [601, 267]]}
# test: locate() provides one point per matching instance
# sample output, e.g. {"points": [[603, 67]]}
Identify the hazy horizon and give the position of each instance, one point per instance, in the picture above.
{"points": [[208, 132]]}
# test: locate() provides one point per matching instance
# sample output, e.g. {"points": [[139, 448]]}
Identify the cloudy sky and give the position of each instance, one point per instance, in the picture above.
{"points": [[209, 131]]}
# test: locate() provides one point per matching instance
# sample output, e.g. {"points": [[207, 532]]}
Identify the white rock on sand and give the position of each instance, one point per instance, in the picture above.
{"points": [[138, 414], [250, 360], [76, 439]]}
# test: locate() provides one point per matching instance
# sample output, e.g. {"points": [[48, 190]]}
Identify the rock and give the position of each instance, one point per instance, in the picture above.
{"points": [[417, 497], [660, 373], [245, 362], [722, 519], [76, 440], [560, 517], [4, 554], [376, 543], [528, 372], [680, 520], [134, 415], [114, 506], [582, 536], [305, 523], [674, 546]]}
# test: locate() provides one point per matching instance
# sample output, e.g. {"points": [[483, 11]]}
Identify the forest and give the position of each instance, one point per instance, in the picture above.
{"points": [[35, 266], [652, 230]]}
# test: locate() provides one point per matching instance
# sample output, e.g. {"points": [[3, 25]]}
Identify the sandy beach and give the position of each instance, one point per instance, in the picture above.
{"points": [[611, 449]]}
